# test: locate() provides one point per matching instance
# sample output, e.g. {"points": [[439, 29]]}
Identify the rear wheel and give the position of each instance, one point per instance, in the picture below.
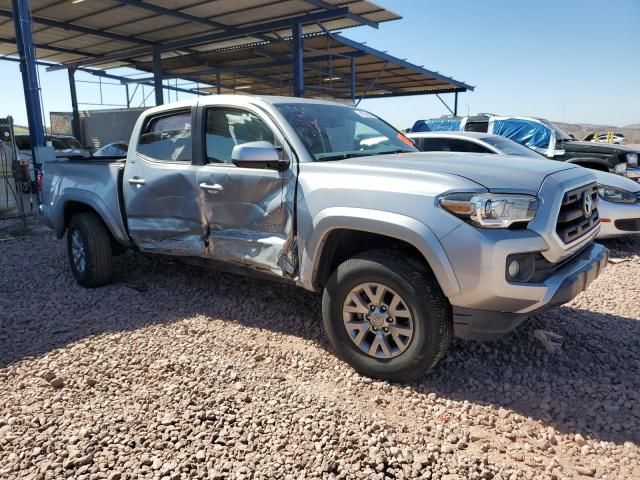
{"points": [[386, 316], [89, 249]]}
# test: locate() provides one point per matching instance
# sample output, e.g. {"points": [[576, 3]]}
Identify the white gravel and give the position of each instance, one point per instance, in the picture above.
{"points": [[175, 372]]}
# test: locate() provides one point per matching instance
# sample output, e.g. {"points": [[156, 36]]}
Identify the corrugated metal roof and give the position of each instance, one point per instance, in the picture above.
{"points": [[327, 60], [116, 27], [241, 41]]}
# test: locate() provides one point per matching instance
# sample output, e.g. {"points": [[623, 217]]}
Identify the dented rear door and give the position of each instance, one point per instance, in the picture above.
{"points": [[161, 193]]}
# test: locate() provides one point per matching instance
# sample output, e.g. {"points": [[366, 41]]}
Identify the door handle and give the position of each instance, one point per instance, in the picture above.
{"points": [[215, 188], [136, 181]]}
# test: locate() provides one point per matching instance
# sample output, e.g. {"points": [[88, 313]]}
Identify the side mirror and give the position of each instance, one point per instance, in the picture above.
{"points": [[258, 155]]}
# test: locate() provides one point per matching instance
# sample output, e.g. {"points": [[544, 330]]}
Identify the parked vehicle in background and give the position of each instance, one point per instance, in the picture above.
{"points": [[608, 137], [408, 248], [620, 197], [65, 146], [116, 149], [544, 137]]}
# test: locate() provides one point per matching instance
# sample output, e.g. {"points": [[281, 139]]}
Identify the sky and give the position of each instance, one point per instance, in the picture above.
{"points": [[576, 61]]}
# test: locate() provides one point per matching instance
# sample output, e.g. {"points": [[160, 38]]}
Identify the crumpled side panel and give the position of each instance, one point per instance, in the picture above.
{"points": [[246, 220], [250, 222]]}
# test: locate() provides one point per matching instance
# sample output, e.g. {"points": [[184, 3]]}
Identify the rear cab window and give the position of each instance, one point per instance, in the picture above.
{"points": [[167, 137]]}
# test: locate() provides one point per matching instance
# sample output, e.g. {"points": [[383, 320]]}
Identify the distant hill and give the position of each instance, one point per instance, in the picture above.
{"points": [[581, 130]]}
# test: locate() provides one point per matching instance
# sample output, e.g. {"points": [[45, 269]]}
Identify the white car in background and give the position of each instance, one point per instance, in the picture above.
{"points": [[115, 149], [619, 196]]}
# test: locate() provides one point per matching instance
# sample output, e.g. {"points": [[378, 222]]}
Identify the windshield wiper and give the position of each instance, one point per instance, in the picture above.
{"points": [[390, 152], [343, 156]]}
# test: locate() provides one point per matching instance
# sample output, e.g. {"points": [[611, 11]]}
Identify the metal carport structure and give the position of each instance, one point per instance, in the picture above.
{"points": [[268, 46]]}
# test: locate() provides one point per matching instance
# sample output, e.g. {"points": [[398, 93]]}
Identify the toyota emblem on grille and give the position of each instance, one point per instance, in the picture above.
{"points": [[587, 204]]}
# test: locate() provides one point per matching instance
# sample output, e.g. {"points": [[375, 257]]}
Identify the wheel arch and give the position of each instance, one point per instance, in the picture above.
{"points": [[342, 232], [84, 201]]}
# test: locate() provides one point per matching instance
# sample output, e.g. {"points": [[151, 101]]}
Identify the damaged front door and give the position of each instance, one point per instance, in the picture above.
{"points": [[160, 189], [248, 211]]}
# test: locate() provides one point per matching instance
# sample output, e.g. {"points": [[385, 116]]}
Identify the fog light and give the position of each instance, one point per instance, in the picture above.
{"points": [[520, 267], [514, 269]]}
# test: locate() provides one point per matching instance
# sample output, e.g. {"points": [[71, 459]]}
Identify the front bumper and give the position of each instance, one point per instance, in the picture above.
{"points": [[567, 282], [618, 219]]}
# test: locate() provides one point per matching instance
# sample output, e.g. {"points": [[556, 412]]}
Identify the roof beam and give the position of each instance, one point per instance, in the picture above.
{"points": [[409, 94], [100, 73], [259, 66], [184, 42], [44, 46], [181, 15], [86, 30], [353, 16]]}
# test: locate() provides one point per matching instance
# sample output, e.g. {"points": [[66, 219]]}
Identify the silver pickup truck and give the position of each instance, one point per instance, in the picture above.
{"points": [[408, 248]]}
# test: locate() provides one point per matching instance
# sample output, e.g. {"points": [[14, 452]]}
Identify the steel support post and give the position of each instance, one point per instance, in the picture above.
{"points": [[218, 83], [29, 70], [298, 60], [74, 104], [157, 76], [353, 79], [455, 105]]}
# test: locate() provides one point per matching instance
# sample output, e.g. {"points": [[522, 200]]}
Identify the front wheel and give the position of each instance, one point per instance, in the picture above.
{"points": [[386, 316], [89, 249]]}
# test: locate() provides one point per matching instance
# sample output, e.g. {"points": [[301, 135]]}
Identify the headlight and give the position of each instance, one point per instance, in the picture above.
{"points": [[616, 195], [632, 159], [620, 169], [491, 210]]}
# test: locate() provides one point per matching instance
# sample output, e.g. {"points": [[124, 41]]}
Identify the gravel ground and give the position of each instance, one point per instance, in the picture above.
{"points": [[175, 372]]}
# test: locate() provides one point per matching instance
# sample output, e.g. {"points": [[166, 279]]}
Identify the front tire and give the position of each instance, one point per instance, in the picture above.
{"points": [[386, 316], [89, 249]]}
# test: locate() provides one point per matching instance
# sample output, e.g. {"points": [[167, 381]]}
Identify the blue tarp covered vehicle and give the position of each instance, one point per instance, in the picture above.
{"points": [[546, 138], [438, 125]]}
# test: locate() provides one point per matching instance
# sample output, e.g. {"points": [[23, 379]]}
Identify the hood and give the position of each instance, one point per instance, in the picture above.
{"points": [[497, 173], [607, 148], [617, 181]]}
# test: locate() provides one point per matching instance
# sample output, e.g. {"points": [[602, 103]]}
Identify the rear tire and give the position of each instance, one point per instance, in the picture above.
{"points": [[424, 319], [89, 249]]}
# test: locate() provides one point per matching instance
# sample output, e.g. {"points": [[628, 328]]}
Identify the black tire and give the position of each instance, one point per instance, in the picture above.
{"points": [[26, 187], [432, 319], [98, 255]]}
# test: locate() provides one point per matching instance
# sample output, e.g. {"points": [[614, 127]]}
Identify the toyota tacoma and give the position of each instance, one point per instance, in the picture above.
{"points": [[408, 249]]}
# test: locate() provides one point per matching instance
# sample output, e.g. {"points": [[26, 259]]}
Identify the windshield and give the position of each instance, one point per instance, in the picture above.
{"points": [[336, 132], [509, 147]]}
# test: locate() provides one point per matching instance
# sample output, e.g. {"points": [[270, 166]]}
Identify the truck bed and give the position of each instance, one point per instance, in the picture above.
{"points": [[96, 182]]}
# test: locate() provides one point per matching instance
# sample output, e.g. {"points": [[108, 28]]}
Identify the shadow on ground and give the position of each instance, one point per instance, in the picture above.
{"points": [[591, 386]]}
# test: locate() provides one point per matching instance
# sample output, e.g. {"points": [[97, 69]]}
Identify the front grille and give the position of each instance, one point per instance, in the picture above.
{"points": [[573, 223], [628, 225]]}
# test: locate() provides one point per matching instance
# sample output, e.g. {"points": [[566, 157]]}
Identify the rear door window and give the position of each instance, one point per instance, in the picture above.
{"points": [[450, 145], [481, 127], [459, 145], [167, 138]]}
